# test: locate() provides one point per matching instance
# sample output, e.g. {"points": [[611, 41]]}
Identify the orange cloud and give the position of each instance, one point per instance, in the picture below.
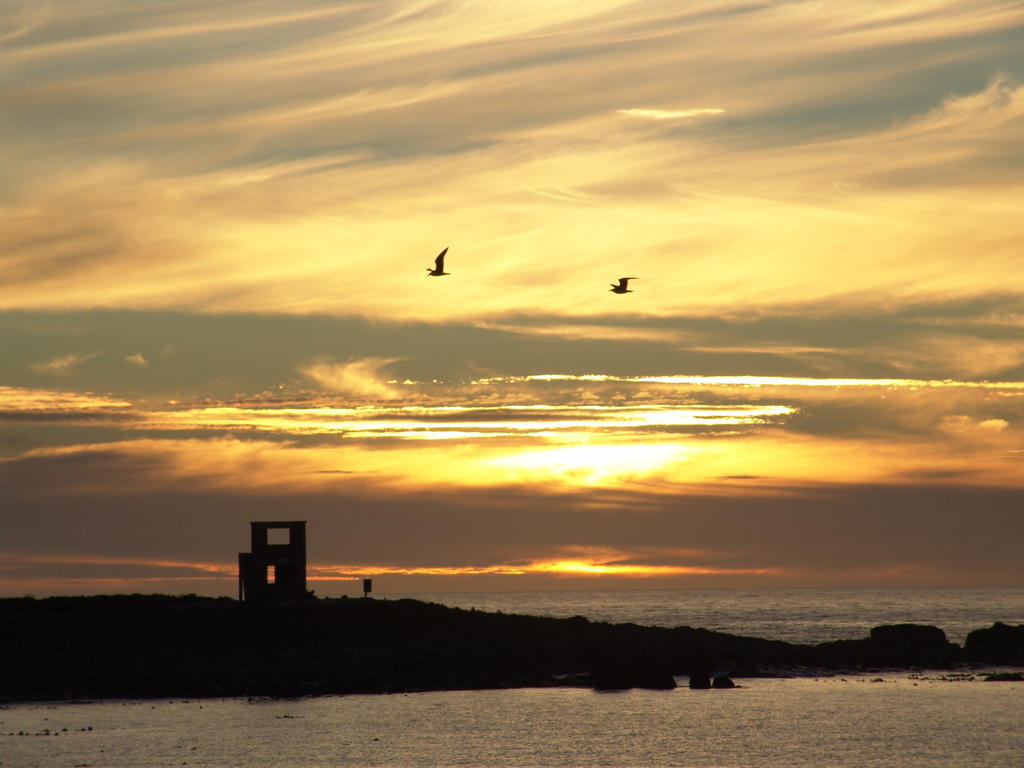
{"points": [[215, 570], [359, 378], [29, 399]]}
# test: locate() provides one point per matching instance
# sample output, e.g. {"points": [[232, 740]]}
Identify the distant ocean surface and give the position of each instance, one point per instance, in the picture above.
{"points": [[794, 615], [881, 720]]}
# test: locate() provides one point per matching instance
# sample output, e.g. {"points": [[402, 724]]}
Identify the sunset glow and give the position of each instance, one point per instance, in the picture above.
{"points": [[459, 422], [215, 305], [778, 381]]}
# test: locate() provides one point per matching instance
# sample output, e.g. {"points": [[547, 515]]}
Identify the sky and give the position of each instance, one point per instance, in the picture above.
{"points": [[214, 306]]}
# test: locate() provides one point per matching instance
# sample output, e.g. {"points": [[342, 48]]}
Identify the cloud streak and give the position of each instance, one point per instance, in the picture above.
{"points": [[64, 365], [670, 114]]}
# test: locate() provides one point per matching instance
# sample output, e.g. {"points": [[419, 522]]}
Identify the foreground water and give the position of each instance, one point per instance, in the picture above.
{"points": [[905, 720], [842, 722]]}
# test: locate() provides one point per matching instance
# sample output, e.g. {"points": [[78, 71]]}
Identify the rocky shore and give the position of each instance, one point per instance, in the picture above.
{"points": [[157, 646]]}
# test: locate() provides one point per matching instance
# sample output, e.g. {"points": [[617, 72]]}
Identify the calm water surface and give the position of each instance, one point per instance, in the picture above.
{"points": [[897, 721], [794, 615]]}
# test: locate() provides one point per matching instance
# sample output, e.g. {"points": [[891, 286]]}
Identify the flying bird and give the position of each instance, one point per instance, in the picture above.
{"points": [[622, 286], [438, 269]]}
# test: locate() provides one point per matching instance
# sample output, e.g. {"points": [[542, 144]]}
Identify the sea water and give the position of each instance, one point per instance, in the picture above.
{"points": [[794, 615], [910, 720], [901, 721]]}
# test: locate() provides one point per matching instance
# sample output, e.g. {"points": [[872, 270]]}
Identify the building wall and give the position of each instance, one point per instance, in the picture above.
{"points": [[274, 571]]}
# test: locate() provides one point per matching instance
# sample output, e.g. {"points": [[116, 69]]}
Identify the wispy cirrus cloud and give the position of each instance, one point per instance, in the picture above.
{"points": [[831, 135], [671, 114], [984, 114], [22, 17], [63, 365]]}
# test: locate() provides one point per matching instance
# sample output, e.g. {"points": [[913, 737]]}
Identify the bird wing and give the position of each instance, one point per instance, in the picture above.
{"points": [[624, 281], [439, 261]]}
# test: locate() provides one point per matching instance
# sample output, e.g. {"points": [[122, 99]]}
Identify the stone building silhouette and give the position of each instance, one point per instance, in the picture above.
{"points": [[275, 569]]}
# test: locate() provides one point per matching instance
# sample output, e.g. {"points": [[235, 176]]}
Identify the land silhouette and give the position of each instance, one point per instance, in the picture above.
{"points": [[156, 646]]}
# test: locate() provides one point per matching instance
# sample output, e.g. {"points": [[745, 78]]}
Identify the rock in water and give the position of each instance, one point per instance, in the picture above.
{"points": [[909, 635], [700, 680], [999, 644]]}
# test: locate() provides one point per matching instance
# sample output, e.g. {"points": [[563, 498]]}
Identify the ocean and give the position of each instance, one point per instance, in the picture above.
{"points": [[906, 719], [794, 615]]}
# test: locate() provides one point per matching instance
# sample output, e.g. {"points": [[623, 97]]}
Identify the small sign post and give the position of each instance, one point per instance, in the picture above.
{"points": [[367, 587]]}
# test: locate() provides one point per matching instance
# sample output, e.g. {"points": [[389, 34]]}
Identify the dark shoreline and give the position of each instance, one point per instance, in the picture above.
{"points": [[159, 646]]}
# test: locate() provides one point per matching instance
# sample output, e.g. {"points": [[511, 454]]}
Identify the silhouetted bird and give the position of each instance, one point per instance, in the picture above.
{"points": [[621, 287], [438, 269]]}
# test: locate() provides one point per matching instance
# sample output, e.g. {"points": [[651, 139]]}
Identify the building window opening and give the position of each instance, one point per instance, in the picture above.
{"points": [[278, 536], [271, 574]]}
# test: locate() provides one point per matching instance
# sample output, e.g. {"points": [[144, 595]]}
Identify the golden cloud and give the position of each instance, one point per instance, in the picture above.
{"points": [[670, 114], [359, 378], [527, 176], [27, 399]]}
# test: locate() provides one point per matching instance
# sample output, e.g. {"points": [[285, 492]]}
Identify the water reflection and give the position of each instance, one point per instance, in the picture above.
{"points": [[895, 721]]}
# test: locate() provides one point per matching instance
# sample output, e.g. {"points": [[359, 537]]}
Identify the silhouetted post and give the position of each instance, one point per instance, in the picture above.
{"points": [[367, 587]]}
